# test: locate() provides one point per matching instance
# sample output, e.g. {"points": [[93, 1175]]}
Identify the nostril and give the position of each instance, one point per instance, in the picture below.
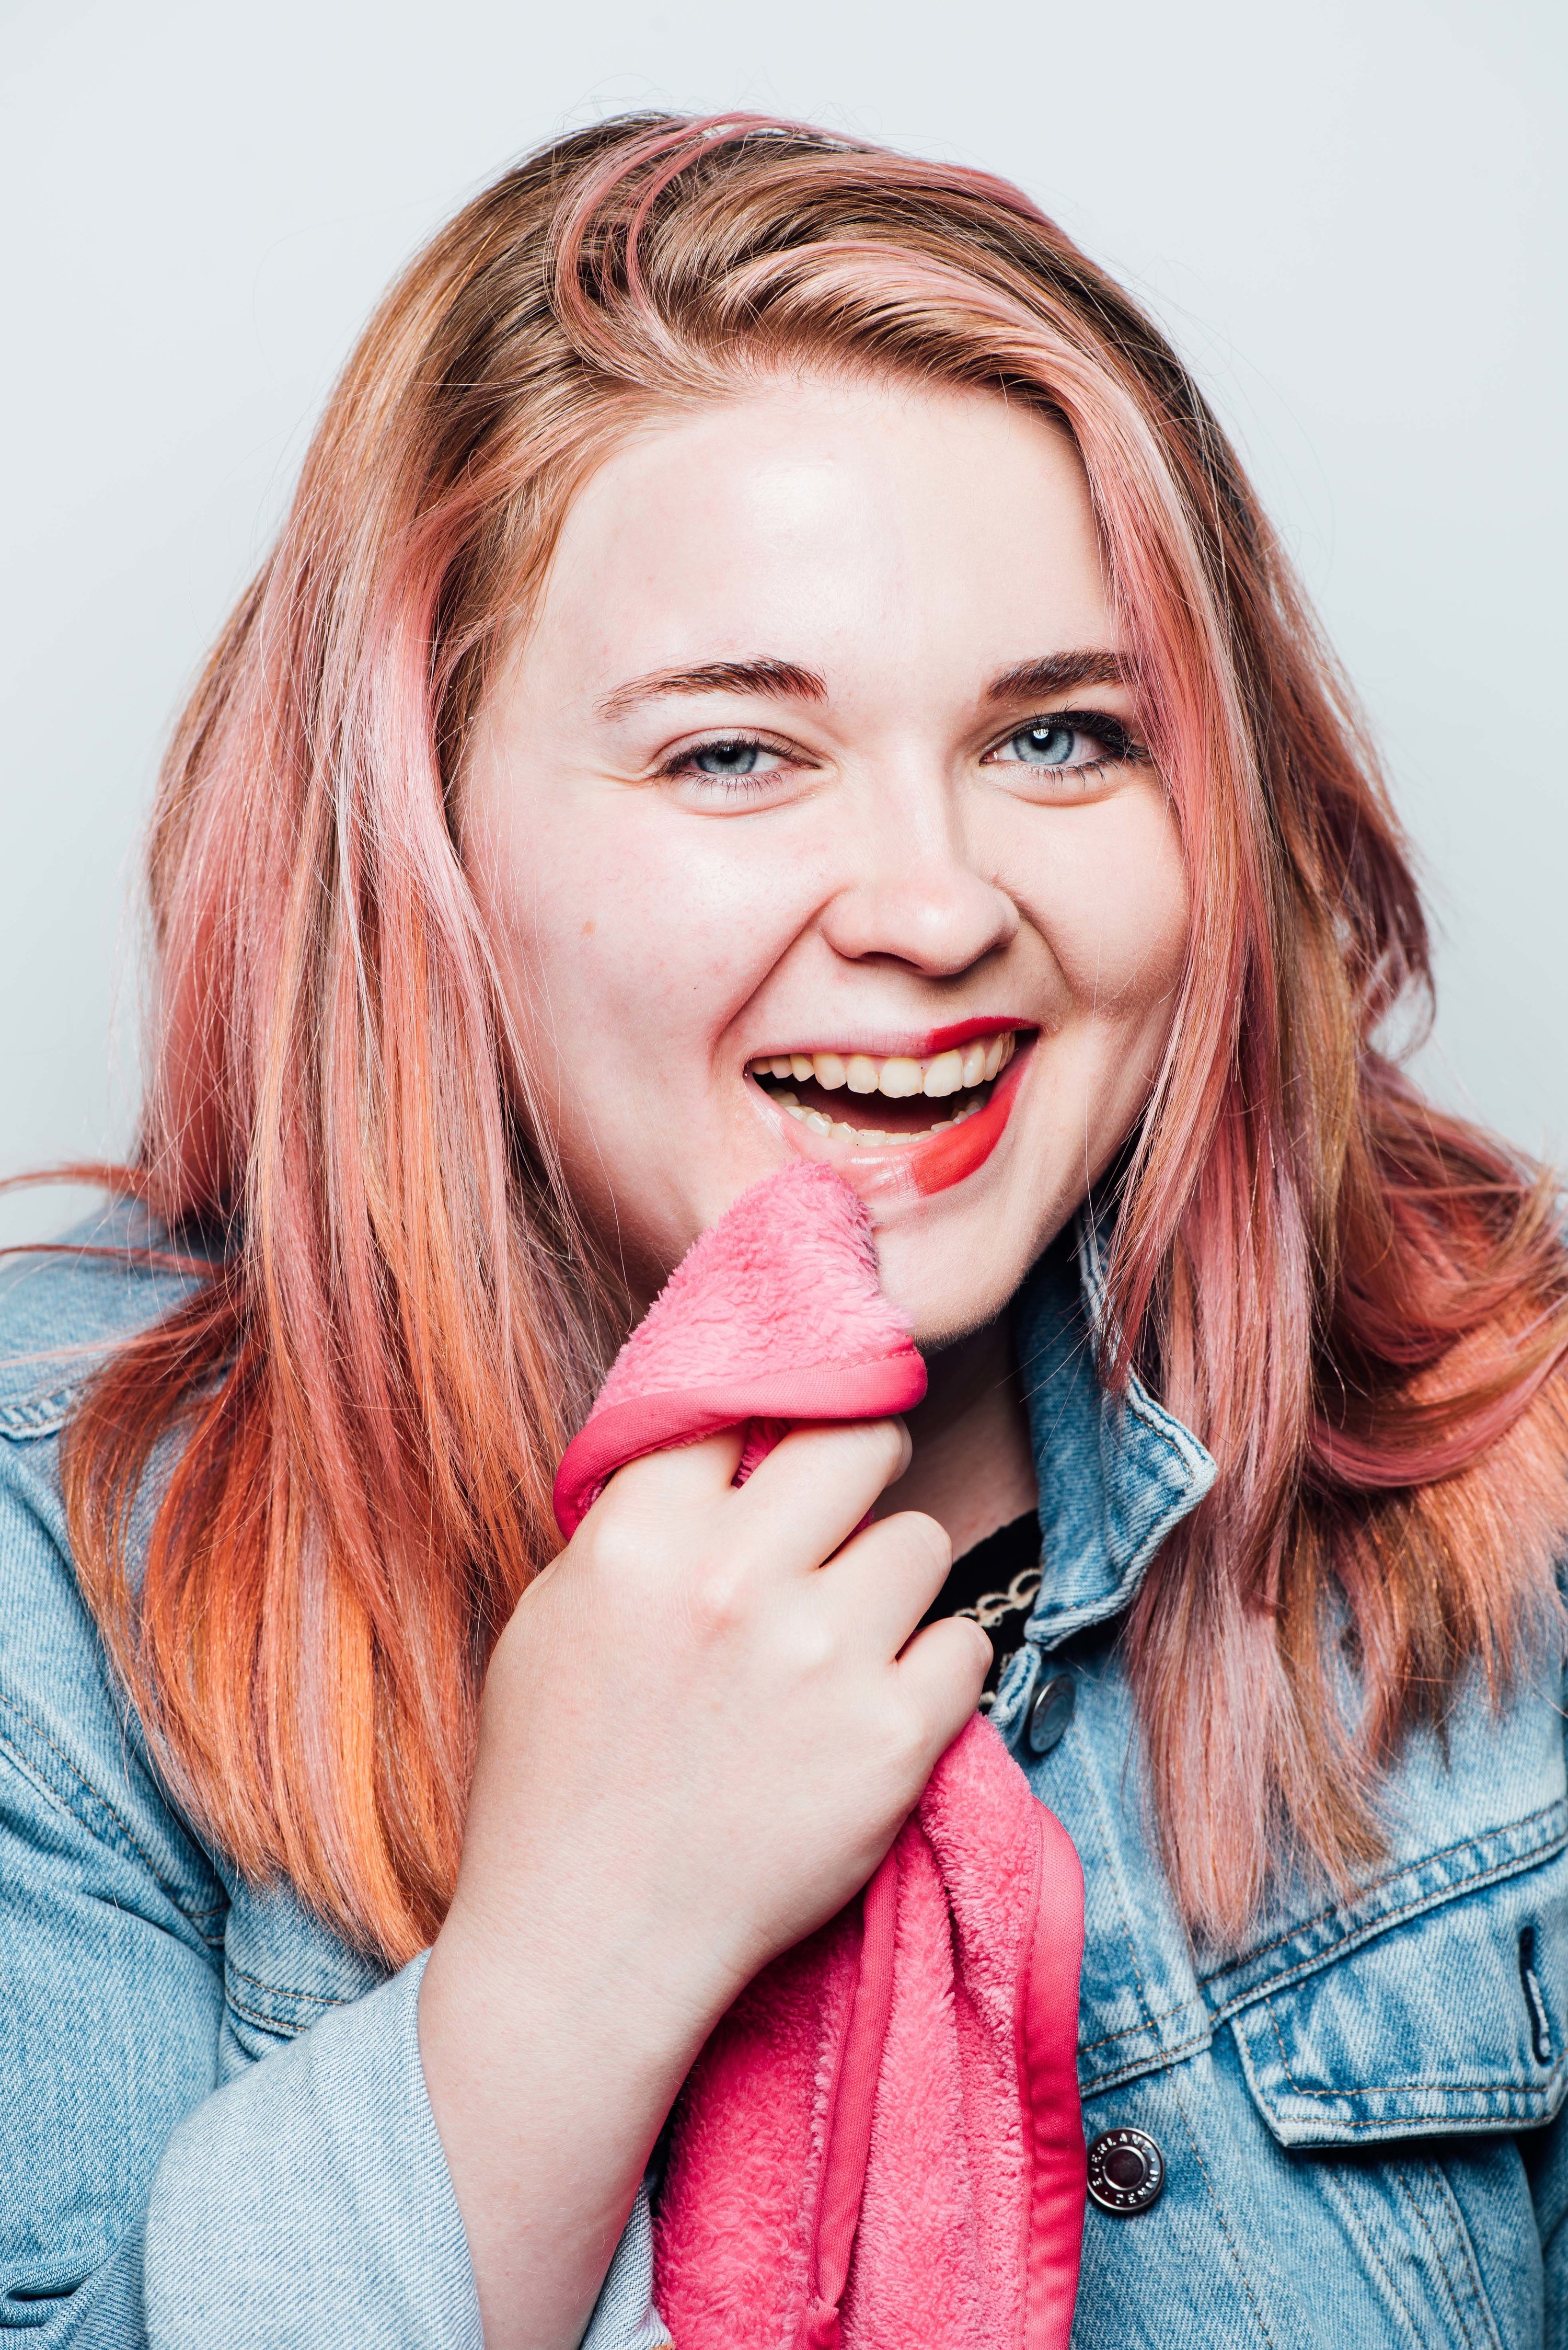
{"points": [[1540, 2021]]}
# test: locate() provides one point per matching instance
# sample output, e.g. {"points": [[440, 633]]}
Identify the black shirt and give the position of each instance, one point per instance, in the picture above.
{"points": [[997, 1583]]}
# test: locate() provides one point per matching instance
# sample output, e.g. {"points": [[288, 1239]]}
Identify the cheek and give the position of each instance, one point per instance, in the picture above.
{"points": [[634, 937], [1113, 905]]}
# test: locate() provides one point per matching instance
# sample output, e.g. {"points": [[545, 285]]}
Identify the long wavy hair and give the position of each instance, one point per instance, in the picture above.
{"points": [[1357, 1303]]}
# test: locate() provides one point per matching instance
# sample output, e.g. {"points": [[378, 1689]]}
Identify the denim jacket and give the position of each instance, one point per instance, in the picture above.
{"points": [[213, 2125]]}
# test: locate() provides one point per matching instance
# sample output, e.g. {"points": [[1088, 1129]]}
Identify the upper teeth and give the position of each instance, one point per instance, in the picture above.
{"points": [[973, 1064]]}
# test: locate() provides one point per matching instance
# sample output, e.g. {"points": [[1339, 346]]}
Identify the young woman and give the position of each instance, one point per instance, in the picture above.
{"points": [[766, 624]]}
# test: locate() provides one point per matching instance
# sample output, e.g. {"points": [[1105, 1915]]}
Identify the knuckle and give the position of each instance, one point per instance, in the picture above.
{"points": [[721, 1595], [618, 1545], [814, 1648]]}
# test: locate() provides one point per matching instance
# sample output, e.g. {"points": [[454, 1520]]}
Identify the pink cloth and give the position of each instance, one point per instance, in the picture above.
{"points": [[880, 2146]]}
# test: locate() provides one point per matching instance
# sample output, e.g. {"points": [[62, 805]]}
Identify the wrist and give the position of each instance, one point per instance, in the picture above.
{"points": [[585, 1974], [548, 2079]]}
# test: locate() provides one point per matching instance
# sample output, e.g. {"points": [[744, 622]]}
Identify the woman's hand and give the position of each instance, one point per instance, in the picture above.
{"points": [[699, 1738], [697, 1742]]}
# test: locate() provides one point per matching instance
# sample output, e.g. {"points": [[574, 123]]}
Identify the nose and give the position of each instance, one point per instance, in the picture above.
{"points": [[916, 897]]}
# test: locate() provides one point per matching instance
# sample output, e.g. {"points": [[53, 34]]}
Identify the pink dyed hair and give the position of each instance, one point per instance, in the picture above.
{"points": [[1359, 1306]]}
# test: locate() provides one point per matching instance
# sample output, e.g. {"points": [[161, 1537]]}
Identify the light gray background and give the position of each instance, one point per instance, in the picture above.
{"points": [[1349, 213]]}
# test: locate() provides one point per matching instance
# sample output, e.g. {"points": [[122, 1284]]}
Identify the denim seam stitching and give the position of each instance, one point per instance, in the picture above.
{"points": [[1357, 1937], [1219, 2214], [1349, 1944], [1192, 1456], [1178, 1440], [1404, 2088], [1369, 2247], [1383, 2127], [1445, 1852], [1403, 2187], [270, 2023], [27, 1416], [277, 1990], [1052, 1620], [60, 1797], [1462, 2230], [1101, 2084], [1104, 1827], [1129, 2031]]}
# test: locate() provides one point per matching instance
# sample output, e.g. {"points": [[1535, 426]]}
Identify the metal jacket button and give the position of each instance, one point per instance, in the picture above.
{"points": [[1051, 1712], [1126, 2171]]}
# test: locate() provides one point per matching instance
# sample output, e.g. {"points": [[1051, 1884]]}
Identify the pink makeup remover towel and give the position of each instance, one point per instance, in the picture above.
{"points": [[880, 2146]]}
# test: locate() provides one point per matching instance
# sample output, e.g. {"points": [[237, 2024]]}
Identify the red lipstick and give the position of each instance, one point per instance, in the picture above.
{"points": [[948, 1158], [921, 1044], [915, 1170]]}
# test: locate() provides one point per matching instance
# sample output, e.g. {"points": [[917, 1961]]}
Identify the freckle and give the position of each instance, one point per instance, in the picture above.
{"points": [[588, 928]]}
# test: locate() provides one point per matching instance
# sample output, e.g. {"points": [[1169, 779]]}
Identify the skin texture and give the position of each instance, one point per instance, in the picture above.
{"points": [[703, 1726], [907, 550]]}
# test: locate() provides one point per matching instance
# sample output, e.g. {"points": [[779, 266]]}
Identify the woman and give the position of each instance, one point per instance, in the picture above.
{"points": [[764, 623]]}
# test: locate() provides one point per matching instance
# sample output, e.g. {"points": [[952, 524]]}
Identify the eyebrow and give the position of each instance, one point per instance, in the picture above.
{"points": [[1059, 673], [787, 680], [781, 679]]}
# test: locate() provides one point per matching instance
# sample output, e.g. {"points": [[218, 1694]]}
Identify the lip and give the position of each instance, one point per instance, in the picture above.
{"points": [[916, 1170], [908, 1043]]}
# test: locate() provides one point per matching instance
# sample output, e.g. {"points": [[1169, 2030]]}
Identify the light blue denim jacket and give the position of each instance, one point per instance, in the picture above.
{"points": [[213, 2126]]}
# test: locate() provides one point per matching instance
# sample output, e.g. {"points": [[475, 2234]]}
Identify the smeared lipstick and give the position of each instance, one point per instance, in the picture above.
{"points": [[948, 1158], [917, 1169]]}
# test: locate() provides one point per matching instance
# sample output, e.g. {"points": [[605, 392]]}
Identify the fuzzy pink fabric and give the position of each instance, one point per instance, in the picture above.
{"points": [[772, 1316], [881, 2146]]}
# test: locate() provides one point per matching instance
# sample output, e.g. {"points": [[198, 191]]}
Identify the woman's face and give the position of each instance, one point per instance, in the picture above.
{"points": [[812, 821]]}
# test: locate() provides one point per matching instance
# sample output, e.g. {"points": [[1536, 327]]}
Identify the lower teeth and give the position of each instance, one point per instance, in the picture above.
{"points": [[861, 1137]]}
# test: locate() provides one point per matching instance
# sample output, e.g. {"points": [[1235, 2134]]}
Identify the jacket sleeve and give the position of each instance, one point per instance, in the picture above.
{"points": [[1547, 2165], [142, 2205], [317, 2181], [1549, 2185]]}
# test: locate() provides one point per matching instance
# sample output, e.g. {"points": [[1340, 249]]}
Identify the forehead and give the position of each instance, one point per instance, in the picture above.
{"points": [[835, 524]]}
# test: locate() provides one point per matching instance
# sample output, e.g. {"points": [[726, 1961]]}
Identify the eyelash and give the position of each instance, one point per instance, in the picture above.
{"points": [[1121, 749], [740, 786]]}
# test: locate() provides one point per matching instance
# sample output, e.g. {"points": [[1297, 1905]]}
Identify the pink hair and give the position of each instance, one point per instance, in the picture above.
{"points": [[1359, 1306]]}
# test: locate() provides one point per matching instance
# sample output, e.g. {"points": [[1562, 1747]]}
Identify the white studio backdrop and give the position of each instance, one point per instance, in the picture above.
{"points": [[1348, 213]]}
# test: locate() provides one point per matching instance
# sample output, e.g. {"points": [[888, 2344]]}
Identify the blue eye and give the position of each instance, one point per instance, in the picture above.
{"points": [[1047, 745], [734, 772], [730, 758], [1079, 744]]}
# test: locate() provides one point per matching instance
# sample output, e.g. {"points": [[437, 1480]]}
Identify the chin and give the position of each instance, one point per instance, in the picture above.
{"points": [[945, 1289]]}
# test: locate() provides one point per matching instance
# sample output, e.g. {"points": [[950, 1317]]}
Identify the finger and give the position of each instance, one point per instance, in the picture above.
{"points": [[886, 1577], [817, 1483], [678, 1479], [943, 1670]]}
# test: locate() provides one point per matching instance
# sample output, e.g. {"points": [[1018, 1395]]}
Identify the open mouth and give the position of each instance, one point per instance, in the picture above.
{"points": [[869, 1103]]}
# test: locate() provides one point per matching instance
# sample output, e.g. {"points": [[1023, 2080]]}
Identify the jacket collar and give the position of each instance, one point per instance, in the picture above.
{"points": [[1116, 1473]]}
